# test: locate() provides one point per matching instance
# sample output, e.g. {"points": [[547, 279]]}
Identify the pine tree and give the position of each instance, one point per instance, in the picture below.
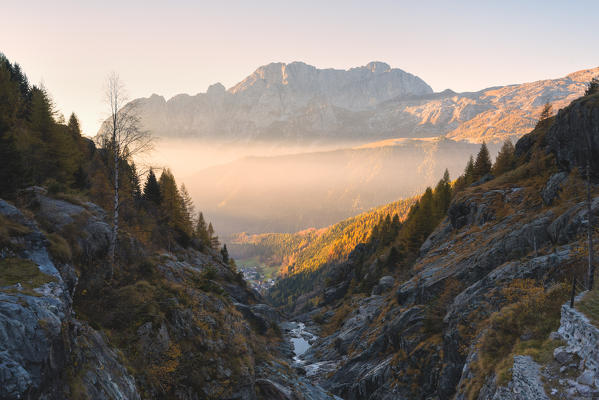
{"points": [[80, 179], [152, 189], [394, 257], [11, 103], [74, 126], [135, 184], [188, 208], [214, 242], [482, 165], [469, 172], [201, 231], [546, 112], [442, 195], [505, 160], [172, 203], [11, 167], [225, 254], [396, 225], [592, 87]]}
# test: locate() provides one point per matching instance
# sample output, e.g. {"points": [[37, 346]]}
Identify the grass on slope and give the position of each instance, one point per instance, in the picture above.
{"points": [[26, 272], [589, 305]]}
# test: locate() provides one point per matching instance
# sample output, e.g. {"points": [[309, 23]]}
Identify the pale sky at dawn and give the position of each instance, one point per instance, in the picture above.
{"points": [[171, 47]]}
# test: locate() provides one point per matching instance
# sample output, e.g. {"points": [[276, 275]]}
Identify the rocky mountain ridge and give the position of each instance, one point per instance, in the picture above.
{"points": [[298, 103]]}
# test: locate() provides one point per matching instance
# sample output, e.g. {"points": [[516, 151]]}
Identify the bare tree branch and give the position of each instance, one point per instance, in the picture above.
{"points": [[123, 137]]}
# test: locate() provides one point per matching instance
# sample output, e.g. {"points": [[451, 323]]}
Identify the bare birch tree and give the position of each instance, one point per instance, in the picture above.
{"points": [[122, 136]]}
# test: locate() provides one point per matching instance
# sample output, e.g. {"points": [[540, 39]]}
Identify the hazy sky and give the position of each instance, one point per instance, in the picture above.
{"points": [[177, 46]]}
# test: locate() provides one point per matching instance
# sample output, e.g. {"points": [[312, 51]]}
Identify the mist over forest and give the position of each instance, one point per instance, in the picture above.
{"points": [[261, 188]]}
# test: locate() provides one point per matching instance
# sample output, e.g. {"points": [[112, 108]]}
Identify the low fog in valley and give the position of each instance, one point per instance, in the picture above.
{"points": [[273, 188]]}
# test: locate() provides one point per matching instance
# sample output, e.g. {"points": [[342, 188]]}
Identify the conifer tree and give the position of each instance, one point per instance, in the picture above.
{"points": [[393, 257], [201, 231], [188, 208], [225, 254], [11, 167], [135, 184], [80, 179], [505, 160], [469, 172], [482, 165], [396, 224], [546, 112], [74, 127], [152, 189], [171, 204], [12, 98], [214, 242], [442, 195]]}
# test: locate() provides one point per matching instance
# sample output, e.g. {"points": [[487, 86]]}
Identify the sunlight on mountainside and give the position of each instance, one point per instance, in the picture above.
{"points": [[202, 200]]}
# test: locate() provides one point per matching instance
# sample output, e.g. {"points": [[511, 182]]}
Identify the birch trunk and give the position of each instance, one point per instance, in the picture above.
{"points": [[591, 272]]}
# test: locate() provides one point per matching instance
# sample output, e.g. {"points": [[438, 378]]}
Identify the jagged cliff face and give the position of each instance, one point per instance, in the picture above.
{"points": [[281, 102], [472, 317], [299, 103]]}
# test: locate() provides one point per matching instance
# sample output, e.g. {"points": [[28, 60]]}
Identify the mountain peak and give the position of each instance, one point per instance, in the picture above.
{"points": [[378, 67], [354, 88], [216, 88]]}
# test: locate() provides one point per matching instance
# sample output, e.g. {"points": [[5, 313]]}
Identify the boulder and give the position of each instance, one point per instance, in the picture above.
{"points": [[563, 356], [274, 391], [525, 384], [267, 312], [553, 186], [566, 227], [335, 292], [385, 283], [259, 321], [588, 378]]}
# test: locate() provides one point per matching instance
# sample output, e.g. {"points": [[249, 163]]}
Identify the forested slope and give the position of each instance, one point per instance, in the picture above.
{"points": [[461, 303]]}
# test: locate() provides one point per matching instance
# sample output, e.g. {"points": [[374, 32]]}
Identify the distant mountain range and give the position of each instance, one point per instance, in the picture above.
{"points": [[299, 103], [360, 137]]}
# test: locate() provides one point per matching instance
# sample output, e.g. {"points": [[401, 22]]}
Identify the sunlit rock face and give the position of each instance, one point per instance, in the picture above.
{"points": [[282, 101], [300, 103]]}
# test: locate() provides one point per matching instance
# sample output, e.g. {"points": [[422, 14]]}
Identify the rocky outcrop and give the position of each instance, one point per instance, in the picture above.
{"points": [[553, 187], [572, 222], [574, 136], [582, 338], [96, 370], [385, 284], [40, 338], [525, 383]]}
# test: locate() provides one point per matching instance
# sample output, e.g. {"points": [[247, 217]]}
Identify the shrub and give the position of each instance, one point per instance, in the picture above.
{"points": [[9, 230], [520, 327], [59, 248], [590, 306]]}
